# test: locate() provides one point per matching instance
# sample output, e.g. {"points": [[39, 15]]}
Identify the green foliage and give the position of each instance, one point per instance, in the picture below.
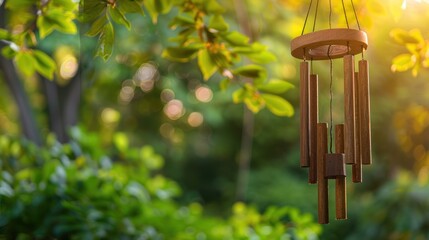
{"points": [[29, 61], [397, 211], [75, 191], [417, 47]]}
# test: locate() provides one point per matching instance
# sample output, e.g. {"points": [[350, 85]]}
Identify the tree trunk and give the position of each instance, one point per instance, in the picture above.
{"points": [[29, 126]]}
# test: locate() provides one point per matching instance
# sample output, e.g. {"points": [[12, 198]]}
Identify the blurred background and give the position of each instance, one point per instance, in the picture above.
{"points": [[167, 150]]}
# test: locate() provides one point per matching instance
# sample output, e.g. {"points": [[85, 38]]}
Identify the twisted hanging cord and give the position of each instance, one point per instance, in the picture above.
{"points": [[315, 15], [345, 13], [357, 20], [306, 17], [330, 100]]}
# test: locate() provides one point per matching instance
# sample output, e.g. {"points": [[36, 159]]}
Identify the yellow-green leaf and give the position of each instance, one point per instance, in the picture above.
{"points": [[217, 22], [403, 37], [224, 84], [403, 62], [278, 105], [45, 65], [181, 54], [25, 62], [239, 95], [212, 6], [4, 34], [235, 38], [276, 86], [262, 57], [45, 26], [207, 65], [251, 71]]}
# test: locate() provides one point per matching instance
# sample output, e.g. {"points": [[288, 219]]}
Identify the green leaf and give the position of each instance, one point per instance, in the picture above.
{"points": [[278, 105], [403, 37], [212, 6], [8, 51], [239, 95], [207, 66], [4, 34], [251, 71], [403, 62], [119, 17], [224, 84], [92, 9], [25, 62], [181, 54], [183, 20], [97, 26], [105, 42], [45, 65], [45, 26], [56, 19], [217, 22], [235, 38], [262, 57], [129, 6], [156, 7], [276, 86]]}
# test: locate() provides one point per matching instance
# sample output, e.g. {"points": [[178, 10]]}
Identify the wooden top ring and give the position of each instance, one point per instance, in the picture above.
{"points": [[339, 42]]}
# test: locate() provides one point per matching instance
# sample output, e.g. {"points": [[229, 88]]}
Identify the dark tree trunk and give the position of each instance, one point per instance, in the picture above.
{"points": [[29, 124]]}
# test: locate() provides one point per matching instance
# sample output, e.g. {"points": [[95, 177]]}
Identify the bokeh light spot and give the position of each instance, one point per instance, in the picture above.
{"points": [[174, 109], [204, 94], [167, 95], [195, 119]]}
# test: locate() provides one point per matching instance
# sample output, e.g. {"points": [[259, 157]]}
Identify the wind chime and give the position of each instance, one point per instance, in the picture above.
{"points": [[353, 138]]}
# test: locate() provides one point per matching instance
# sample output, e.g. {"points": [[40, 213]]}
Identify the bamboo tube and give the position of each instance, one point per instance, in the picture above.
{"points": [[340, 182], [349, 127], [365, 118], [322, 187], [357, 167], [304, 106], [314, 118]]}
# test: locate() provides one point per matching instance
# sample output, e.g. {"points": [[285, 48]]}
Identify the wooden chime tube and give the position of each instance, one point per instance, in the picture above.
{"points": [[304, 106], [322, 187], [349, 105], [340, 182], [314, 118], [357, 167], [365, 118]]}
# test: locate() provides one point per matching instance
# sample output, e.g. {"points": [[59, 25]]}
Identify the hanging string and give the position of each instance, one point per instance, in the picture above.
{"points": [[330, 100], [315, 15], [330, 17], [306, 17], [345, 13], [357, 20]]}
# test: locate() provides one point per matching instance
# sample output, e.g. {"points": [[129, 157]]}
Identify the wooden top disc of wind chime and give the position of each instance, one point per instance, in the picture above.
{"points": [[339, 41]]}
